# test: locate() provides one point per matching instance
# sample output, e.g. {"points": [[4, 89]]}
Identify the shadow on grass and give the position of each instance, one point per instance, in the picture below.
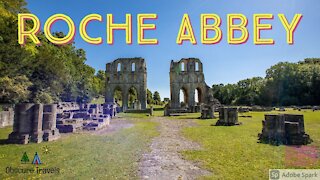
{"points": [[3, 142]]}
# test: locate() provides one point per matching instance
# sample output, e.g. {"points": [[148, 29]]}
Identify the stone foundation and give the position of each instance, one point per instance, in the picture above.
{"points": [[284, 129], [207, 111], [228, 117]]}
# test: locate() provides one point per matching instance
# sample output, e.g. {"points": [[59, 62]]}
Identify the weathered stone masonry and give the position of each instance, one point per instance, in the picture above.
{"points": [[34, 122], [6, 117], [123, 74], [187, 75]]}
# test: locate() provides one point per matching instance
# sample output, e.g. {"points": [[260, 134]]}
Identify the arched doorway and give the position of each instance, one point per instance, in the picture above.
{"points": [[133, 102], [197, 96], [183, 98], [117, 95]]}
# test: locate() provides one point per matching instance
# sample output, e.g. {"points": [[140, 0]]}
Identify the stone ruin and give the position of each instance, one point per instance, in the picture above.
{"points": [[244, 109], [67, 106], [85, 116], [6, 117], [187, 75], [50, 131], [228, 117], [124, 74], [284, 129], [34, 123], [261, 109], [207, 111], [38, 122]]}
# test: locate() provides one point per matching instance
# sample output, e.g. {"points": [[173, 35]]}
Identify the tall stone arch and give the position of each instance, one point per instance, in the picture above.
{"points": [[126, 73], [187, 74]]}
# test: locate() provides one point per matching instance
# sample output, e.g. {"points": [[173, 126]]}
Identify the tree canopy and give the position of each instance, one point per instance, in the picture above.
{"points": [[285, 84], [42, 74]]}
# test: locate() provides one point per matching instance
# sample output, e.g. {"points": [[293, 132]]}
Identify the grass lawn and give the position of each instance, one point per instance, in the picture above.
{"points": [[83, 156], [233, 152], [229, 152], [99, 100]]}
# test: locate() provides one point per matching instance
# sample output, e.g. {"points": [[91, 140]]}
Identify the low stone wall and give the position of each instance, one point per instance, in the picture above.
{"points": [[6, 118]]}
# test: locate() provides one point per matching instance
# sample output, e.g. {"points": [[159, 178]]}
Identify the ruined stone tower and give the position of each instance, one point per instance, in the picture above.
{"points": [[187, 75], [123, 74]]}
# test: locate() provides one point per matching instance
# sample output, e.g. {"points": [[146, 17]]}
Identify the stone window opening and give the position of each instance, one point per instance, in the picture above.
{"points": [[133, 67], [119, 67], [183, 68], [197, 66]]}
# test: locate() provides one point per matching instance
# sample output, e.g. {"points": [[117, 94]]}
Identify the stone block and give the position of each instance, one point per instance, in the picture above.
{"points": [[284, 129], [228, 117]]}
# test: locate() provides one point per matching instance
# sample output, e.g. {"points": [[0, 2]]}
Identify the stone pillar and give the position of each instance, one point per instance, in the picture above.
{"points": [[175, 104], [124, 100], [109, 95], [22, 125], [37, 133], [151, 111], [49, 122], [191, 100], [143, 98]]}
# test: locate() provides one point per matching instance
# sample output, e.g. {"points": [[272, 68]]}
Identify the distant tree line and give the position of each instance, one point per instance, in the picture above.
{"points": [[285, 84], [45, 73]]}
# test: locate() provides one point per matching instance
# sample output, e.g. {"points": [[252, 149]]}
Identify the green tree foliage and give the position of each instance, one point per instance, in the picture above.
{"points": [[133, 95], [48, 73], [149, 97], [101, 78], [13, 90], [285, 84], [156, 98]]}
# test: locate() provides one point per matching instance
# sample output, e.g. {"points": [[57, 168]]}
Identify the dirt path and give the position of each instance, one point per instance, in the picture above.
{"points": [[116, 124], [164, 161]]}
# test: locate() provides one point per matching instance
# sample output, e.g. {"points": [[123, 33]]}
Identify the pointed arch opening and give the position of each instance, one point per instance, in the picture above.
{"points": [[183, 98], [133, 102], [197, 96], [118, 67], [117, 95]]}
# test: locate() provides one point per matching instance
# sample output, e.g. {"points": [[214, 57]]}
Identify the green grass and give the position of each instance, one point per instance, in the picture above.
{"points": [[233, 152], [229, 152], [99, 100], [84, 156]]}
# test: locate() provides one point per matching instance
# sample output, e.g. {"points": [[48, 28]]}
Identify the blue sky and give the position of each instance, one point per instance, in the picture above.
{"points": [[223, 63]]}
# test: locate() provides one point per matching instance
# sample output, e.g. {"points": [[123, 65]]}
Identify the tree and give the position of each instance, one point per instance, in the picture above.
{"points": [[101, 76], [156, 98], [149, 97], [14, 90]]}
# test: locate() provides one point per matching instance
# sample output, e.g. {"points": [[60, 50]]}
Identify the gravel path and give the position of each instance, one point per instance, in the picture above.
{"points": [[164, 161], [116, 124]]}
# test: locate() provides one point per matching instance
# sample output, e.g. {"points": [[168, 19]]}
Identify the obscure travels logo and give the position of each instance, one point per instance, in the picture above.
{"points": [[33, 167]]}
